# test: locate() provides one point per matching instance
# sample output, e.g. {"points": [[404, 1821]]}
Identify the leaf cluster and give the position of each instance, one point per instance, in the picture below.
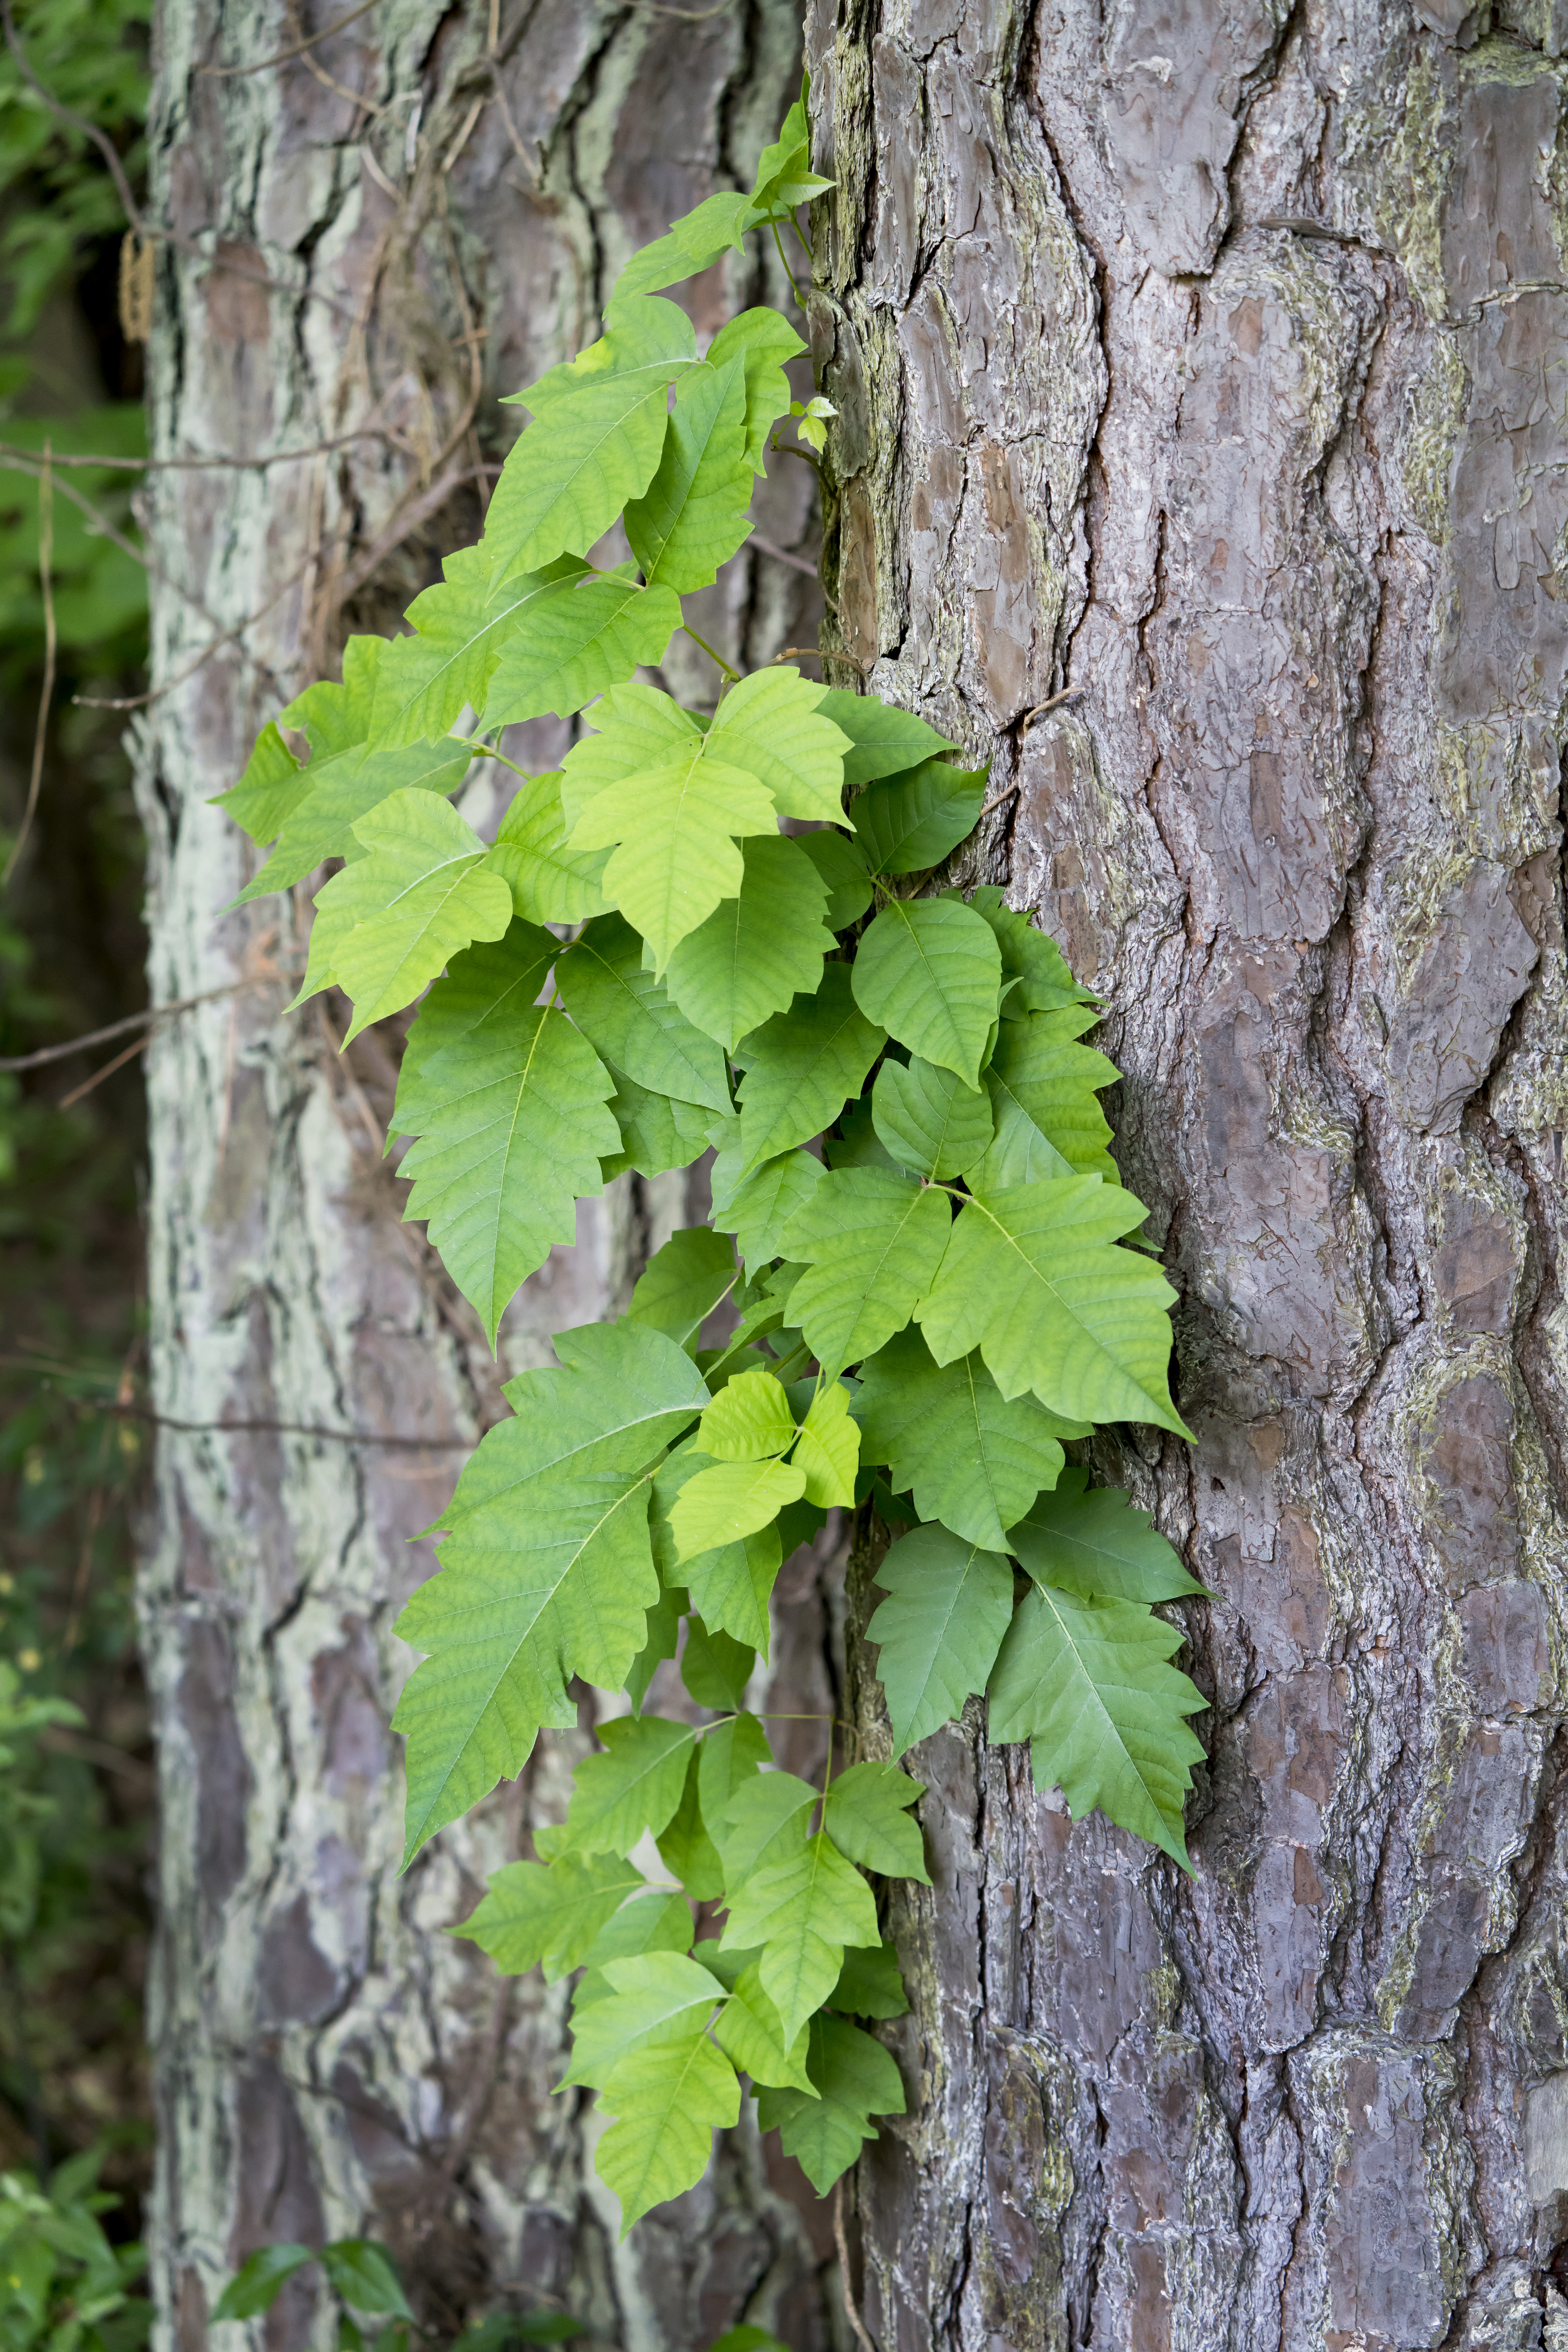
{"points": [[718, 931]]}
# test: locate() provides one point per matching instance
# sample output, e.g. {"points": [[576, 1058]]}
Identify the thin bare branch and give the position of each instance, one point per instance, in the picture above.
{"points": [[155, 1012], [863, 2335], [104, 464], [104, 528], [47, 693], [137, 1045], [779, 554], [281, 57]]}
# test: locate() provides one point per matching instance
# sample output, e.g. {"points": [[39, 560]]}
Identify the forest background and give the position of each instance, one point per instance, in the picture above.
{"points": [[76, 1774]]}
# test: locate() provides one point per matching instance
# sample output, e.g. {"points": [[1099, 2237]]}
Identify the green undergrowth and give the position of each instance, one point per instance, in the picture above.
{"points": [[723, 929], [75, 1772]]}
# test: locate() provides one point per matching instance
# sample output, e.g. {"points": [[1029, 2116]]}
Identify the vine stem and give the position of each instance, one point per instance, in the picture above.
{"points": [[789, 272], [732, 676], [474, 744], [863, 2335]]}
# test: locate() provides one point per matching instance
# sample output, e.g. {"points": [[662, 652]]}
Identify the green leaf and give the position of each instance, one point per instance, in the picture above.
{"points": [[784, 176], [728, 1502], [1096, 1544], [651, 1922], [873, 1242], [948, 1605], [694, 514], [756, 950], [550, 1913], [748, 1421], [638, 726], [1032, 956], [1018, 1153], [853, 1143], [674, 857], [586, 635], [273, 785], [765, 343], [907, 822], [657, 1131], [549, 883], [756, 1208], [424, 682], [1038, 1067], [683, 1283], [397, 916], [626, 1015], [728, 1757], [512, 1129], [732, 1585], [664, 1622], [763, 1823], [842, 865], [632, 1786], [871, 1984], [548, 1571], [752, 2038], [487, 991], [364, 2276], [345, 789], [801, 1911], [866, 1814], [254, 2287], [771, 725], [803, 1066], [829, 1449], [692, 244], [930, 972], [855, 2078], [884, 742], [1032, 1276], [729, 1585], [332, 716], [928, 1121], [654, 1997], [716, 1668], [1087, 1682], [670, 2100], [599, 429], [684, 1846], [975, 1459]]}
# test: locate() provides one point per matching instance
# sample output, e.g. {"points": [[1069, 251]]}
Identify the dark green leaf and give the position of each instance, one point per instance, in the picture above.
{"points": [[1091, 1542], [684, 1282], [905, 824], [254, 2287], [804, 1064], [628, 1017], [885, 741]]}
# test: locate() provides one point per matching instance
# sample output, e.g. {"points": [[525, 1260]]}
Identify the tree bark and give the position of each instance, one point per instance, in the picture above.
{"points": [[1208, 359], [378, 236]]}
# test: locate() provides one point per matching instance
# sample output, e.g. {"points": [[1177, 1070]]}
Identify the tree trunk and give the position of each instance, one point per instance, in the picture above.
{"points": [[1208, 359], [376, 237]]}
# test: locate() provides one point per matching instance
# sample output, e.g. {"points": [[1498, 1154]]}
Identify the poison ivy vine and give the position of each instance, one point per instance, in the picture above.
{"points": [[715, 931]]}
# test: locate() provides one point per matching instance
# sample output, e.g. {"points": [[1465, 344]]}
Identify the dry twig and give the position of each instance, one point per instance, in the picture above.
{"points": [[281, 57], [41, 727]]}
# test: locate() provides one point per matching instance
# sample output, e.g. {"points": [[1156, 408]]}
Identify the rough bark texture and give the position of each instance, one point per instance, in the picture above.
{"points": [[439, 228], [1209, 359]]}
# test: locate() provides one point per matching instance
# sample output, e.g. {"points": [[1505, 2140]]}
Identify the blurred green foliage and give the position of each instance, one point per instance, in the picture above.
{"points": [[92, 55], [75, 1775], [63, 2286]]}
